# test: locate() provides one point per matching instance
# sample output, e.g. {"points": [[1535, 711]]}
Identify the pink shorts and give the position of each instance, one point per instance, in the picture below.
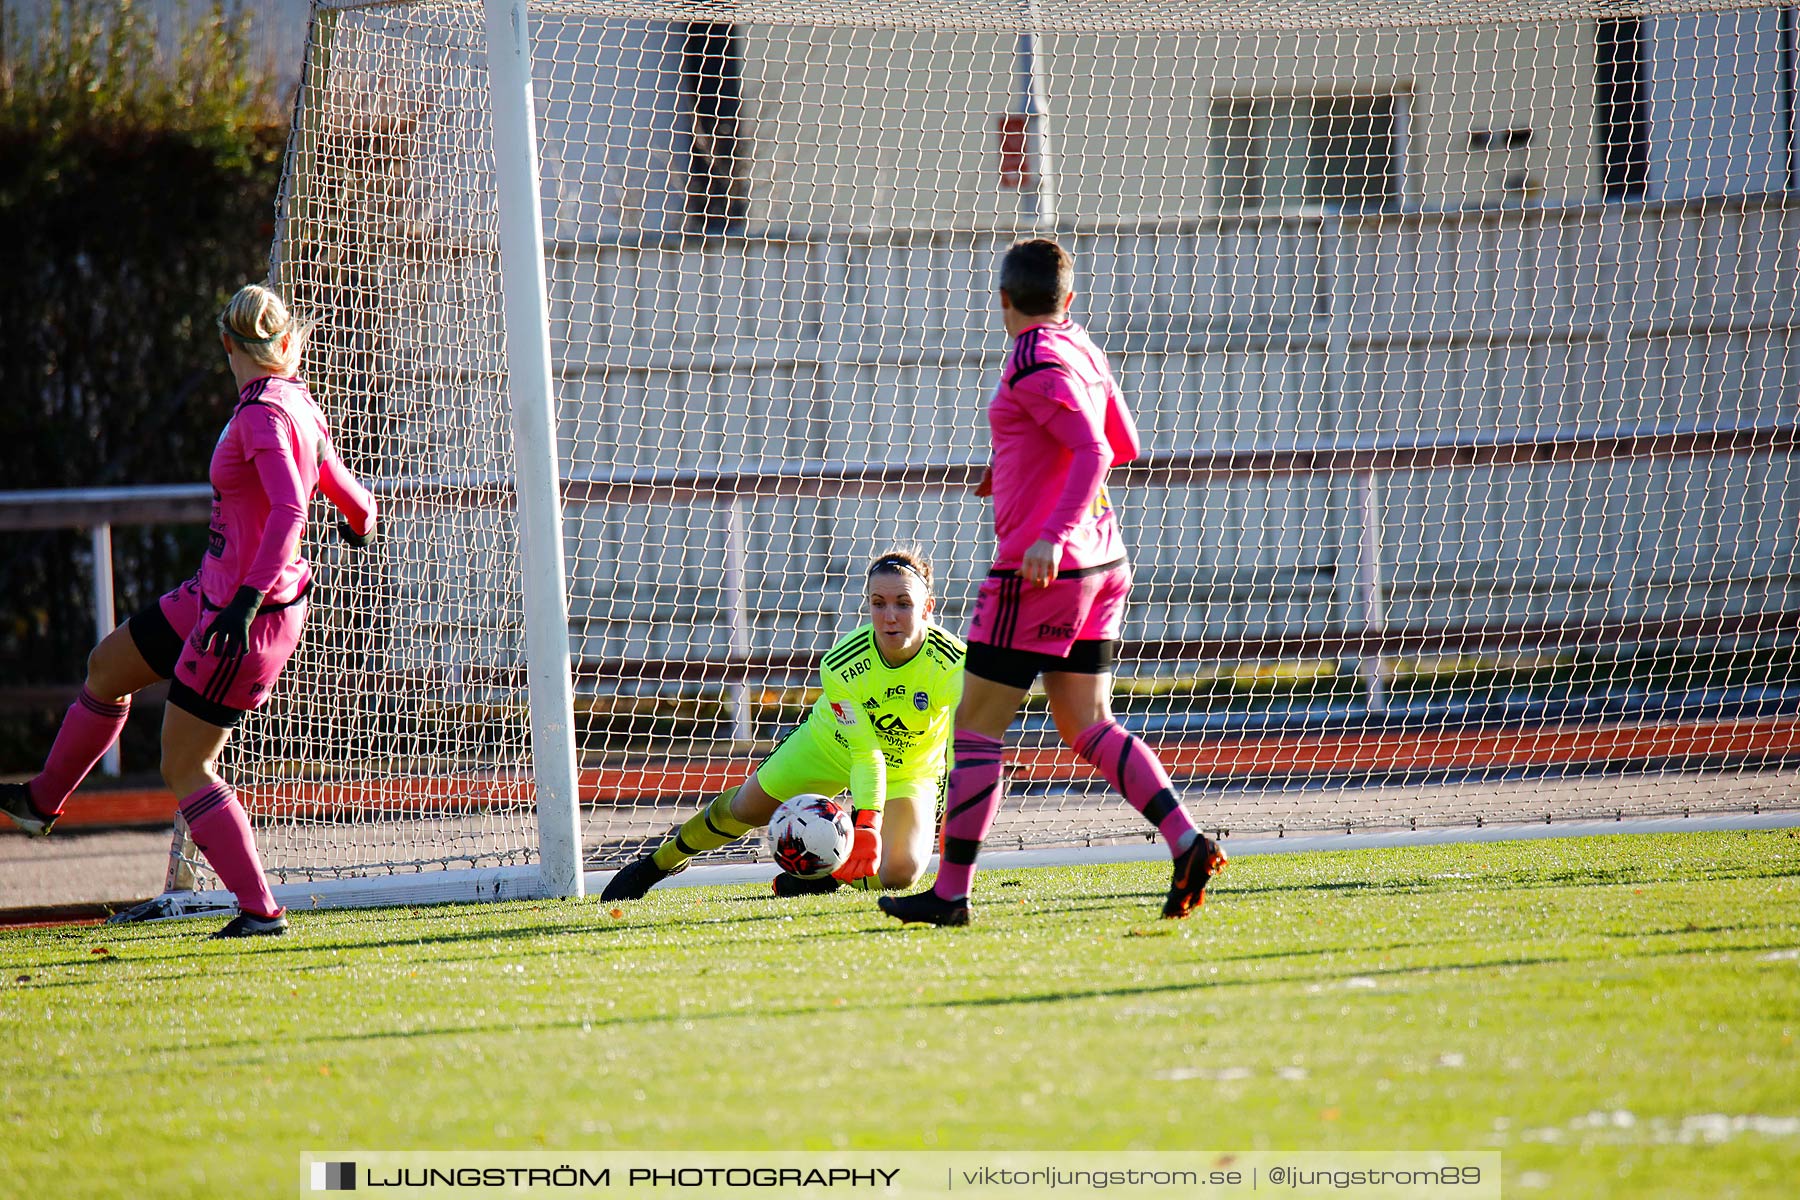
{"points": [[1085, 605], [217, 690]]}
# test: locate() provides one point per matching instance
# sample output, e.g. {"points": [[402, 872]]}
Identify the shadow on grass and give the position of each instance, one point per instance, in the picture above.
{"points": [[181, 942], [592, 921], [186, 1047], [190, 945], [1493, 883], [764, 1012]]}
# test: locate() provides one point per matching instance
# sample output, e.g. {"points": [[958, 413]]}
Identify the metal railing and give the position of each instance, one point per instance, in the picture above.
{"points": [[1369, 640], [97, 510]]}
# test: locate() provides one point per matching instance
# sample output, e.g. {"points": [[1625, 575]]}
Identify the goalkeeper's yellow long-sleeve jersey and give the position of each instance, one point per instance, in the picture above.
{"points": [[892, 721]]}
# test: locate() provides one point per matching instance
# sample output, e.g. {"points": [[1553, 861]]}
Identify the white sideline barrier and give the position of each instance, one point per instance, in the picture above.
{"points": [[427, 887]]}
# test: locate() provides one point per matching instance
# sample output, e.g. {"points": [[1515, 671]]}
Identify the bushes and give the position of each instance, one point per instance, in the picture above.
{"points": [[137, 191]]}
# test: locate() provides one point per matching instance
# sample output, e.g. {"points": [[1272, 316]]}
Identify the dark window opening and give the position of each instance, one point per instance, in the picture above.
{"points": [[1341, 151], [1790, 81], [1352, 156], [712, 86], [1621, 108]]}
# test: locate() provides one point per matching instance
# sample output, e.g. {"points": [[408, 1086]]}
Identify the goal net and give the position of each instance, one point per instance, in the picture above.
{"points": [[1461, 336]]}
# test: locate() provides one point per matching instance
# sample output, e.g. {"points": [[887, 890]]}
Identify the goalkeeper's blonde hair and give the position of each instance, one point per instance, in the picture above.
{"points": [[259, 323]]}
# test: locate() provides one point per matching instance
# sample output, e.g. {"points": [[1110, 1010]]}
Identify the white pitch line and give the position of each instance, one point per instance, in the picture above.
{"points": [[1152, 851]]}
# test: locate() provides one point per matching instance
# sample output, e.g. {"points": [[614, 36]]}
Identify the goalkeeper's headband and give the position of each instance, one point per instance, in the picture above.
{"points": [[893, 562]]}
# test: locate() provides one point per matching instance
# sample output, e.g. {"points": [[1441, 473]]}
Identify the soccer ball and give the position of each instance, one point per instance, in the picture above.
{"points": [[810, 836]]}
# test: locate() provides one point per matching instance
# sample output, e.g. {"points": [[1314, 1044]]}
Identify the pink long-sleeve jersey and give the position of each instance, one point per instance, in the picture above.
{"points": [[1058, 423], [275, 451]]}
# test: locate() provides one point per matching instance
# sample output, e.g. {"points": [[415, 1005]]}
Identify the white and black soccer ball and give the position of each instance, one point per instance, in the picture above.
{"points": [[810, 836]]}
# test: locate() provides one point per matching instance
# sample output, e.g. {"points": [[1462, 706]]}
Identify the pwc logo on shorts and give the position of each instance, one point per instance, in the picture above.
{"points": [[1063, 632]]}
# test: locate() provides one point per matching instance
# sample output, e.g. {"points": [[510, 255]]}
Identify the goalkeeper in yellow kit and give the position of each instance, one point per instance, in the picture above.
{"points": [[879, 729]]}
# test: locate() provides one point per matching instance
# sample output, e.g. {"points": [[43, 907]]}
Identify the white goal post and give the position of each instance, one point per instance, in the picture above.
{"points": [[537, 475], [1462, 335]]}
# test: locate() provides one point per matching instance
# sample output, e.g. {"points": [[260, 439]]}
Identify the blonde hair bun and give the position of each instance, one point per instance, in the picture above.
{"points": [[259, 322]]}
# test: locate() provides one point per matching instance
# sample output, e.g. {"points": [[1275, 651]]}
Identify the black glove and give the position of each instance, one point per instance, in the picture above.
{"points": [[229, 634], [353, 538]]}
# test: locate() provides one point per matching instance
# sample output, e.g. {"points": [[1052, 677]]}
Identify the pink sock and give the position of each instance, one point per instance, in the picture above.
{"points": [[969, 811], [221, 829], [89, 727], [1136, 774]]}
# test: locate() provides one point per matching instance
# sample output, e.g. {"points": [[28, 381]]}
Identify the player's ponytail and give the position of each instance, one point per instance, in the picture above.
{"points": [[259, 323], [902, 560]]}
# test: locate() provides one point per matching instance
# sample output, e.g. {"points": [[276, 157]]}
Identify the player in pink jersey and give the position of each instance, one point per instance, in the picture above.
{"points": [[223, 637], [1055, 599]]}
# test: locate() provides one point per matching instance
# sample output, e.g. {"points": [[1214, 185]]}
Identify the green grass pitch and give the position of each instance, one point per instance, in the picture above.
{"points": [[1616, 1015]]}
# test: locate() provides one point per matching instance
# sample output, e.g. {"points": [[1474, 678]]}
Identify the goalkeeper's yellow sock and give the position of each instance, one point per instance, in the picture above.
{"points": [[708, 829]]}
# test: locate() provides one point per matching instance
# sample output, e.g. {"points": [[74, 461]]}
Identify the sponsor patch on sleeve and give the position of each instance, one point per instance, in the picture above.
{"points": [[845, 716]]}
